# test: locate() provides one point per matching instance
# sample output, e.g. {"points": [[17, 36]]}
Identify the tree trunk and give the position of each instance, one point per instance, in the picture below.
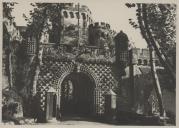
{"points": [[156, 81], [38, 55], [35, 81], [144, 30]]}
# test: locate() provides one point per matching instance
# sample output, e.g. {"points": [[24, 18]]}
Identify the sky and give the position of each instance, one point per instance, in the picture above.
{"points": [[115, 13]]}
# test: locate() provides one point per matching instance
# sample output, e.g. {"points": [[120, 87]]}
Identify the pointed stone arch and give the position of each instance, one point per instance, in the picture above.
{"points": [[63, 73]]}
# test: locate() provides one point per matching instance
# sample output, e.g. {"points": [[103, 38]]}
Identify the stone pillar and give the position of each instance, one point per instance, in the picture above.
{"points": [[58, 112], [97, 96], [49, 102], [110, 106]]}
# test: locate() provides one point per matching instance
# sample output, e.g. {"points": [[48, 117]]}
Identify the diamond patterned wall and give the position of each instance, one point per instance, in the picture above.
{"points": [[53, 71], [106, 80]]}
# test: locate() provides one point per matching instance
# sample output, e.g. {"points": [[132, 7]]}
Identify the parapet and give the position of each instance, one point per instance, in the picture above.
{"points": [[74, 7], [101, 25], [71, 11]]}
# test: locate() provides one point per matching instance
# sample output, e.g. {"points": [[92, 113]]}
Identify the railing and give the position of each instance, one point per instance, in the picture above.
{"points": [[52, 48]]}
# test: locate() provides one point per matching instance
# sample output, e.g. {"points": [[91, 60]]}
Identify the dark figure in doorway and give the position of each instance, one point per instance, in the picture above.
{"points": [[38, 113], [59, 116]]}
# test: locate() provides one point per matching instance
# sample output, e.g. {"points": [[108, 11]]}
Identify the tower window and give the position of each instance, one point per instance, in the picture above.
{"points": [[87, 17], [145, 62], [84, 16], [139, 61], [71, 15], [65, 14]]}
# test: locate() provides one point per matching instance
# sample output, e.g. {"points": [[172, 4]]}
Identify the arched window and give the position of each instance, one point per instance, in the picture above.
{"points": [[77, 15], [139, 61], [72, 15], [83, 16], [65, 14], [103, 34], [145, 62]]}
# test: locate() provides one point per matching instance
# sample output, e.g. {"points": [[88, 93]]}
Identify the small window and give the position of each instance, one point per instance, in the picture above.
{"points": [[65, 14], [139, 61], [145, 62], [103, 34], [84, 16], [71, 15]]}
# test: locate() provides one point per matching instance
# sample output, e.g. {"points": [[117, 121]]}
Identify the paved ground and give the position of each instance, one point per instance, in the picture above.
{"points": [[74, 121], [67, 121], [77, 121]]}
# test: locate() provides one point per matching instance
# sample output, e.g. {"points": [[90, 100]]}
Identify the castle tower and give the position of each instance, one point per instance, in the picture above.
{"points": [[76, 20], [71, 15], [100, 34]]}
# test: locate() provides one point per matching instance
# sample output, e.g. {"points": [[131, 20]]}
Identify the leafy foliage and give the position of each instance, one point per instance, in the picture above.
{"points": [[157, 23], [162, 22], [45, 16], [7, 9], [161, 19]]}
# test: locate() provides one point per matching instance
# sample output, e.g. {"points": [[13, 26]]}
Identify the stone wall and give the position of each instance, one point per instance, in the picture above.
{"points": [[101, 35], [70, 14], [53, 71]]}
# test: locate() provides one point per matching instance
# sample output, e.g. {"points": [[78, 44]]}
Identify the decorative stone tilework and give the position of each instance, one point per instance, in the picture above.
{"points": [[52, 73]]}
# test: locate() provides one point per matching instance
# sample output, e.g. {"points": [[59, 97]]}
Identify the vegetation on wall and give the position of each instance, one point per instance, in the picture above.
{"points": [[11, 98]]}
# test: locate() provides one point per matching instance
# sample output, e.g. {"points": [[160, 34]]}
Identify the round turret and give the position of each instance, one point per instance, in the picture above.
{"points": [[100, 33]]}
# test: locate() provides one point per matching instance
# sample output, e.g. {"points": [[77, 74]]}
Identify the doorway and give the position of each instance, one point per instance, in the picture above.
{"points": [[77, 95]]}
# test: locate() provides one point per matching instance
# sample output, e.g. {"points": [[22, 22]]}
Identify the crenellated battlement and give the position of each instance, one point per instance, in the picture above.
{"points": [[74, 7], [71, 13], [98, 25], [100, 33]]}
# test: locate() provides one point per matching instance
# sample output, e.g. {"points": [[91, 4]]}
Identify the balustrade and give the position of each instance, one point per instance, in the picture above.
{"points": [[52, 48]]}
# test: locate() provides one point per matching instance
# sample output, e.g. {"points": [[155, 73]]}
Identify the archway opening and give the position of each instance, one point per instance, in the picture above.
{"points": [[77, 95]]}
